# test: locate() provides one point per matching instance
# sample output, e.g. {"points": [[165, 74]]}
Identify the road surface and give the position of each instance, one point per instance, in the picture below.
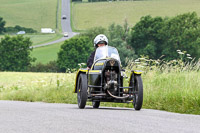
{"points": [[38, 117]]}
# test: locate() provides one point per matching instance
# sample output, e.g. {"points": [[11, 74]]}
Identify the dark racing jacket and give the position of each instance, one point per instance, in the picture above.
{"points": [[91, 59]]}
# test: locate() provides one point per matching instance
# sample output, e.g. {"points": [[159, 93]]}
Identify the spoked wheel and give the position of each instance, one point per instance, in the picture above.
{"points": [[138, 89], [96, 104], [82, 91]]}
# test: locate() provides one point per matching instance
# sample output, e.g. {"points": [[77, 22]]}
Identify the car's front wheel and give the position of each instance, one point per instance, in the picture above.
{"points": [[82, 90], [136, 82]]}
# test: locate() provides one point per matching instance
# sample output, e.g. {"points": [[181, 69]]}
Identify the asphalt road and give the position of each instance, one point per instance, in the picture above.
{"points": [[65, 24], [37, 117]]}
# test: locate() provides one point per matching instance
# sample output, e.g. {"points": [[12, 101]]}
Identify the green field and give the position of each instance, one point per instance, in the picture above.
{"points": [[87, 15], [43, 38], [175, 92], [47, 53], [34, 14]]}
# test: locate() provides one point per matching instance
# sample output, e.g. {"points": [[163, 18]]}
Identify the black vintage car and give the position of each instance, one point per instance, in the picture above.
{"points": [[104, 81]]}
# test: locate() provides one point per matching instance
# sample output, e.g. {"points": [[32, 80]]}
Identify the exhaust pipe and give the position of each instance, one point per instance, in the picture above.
{"points": [[116, 96]]}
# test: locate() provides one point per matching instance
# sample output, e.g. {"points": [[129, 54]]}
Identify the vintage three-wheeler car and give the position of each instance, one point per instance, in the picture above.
{"points": [[104, 81]]}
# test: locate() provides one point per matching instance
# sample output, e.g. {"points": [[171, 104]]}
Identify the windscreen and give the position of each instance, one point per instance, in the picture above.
{"points": [[106, 52]]}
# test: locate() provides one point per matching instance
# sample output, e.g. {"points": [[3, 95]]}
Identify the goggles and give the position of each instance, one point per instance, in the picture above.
{"points": [[101, 42]]}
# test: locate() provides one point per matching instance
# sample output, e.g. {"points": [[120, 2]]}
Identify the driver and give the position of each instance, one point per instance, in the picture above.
{"points": [[99, 41]]}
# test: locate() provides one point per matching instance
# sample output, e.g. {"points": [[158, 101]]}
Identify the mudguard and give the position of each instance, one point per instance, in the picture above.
{"points": [[136, 72], [82, 70]]}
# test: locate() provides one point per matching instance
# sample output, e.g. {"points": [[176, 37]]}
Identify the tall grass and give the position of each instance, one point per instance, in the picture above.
{"points": [[45, 87], [170, 85], [93, 14], [176, 92]]}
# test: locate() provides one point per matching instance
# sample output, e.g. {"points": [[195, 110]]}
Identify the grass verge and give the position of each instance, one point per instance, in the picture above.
{"points": [[175, 92], [72, 18]]}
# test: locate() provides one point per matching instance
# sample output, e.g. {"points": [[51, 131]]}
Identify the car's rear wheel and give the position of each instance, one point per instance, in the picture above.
{"points": [[138, 89], [82, 91], [95, 104]]}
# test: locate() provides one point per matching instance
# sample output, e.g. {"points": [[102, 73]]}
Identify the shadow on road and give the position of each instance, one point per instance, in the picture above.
{"points": [[106, 108]]}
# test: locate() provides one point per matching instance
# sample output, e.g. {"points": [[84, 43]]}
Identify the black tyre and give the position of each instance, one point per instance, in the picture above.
{"points": [[96, 104], [82, 90], [138, 88]]}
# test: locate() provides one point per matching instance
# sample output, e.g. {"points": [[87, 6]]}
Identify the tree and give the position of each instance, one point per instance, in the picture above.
{"points": [[15, 53], [164, 36], [73, 52], [145, 38], [181, 33], [2, 24], [93, 32], [118, 35], [18, 28], [126, 52]]}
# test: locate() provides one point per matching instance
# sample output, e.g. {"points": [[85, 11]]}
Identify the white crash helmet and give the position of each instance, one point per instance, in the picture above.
{"points": [[99, 38]]}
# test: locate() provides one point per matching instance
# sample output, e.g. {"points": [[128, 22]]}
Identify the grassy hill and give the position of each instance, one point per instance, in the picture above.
{"points": [[37, 14], [47, 53], [34, 14], [87, 15]]}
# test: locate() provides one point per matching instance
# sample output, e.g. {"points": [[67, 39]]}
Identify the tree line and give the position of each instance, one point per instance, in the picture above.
{"points": [[14, 29], [164, 36], [154, 37], [151, 36]]}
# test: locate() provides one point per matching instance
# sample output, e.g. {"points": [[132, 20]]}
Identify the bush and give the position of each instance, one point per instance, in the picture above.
{"points": [[73, 52], [49, 67], [93, 32], [18, 28]]}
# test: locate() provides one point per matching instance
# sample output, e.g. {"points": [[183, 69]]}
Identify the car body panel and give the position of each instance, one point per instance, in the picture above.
{"points": [[77, 74]]}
